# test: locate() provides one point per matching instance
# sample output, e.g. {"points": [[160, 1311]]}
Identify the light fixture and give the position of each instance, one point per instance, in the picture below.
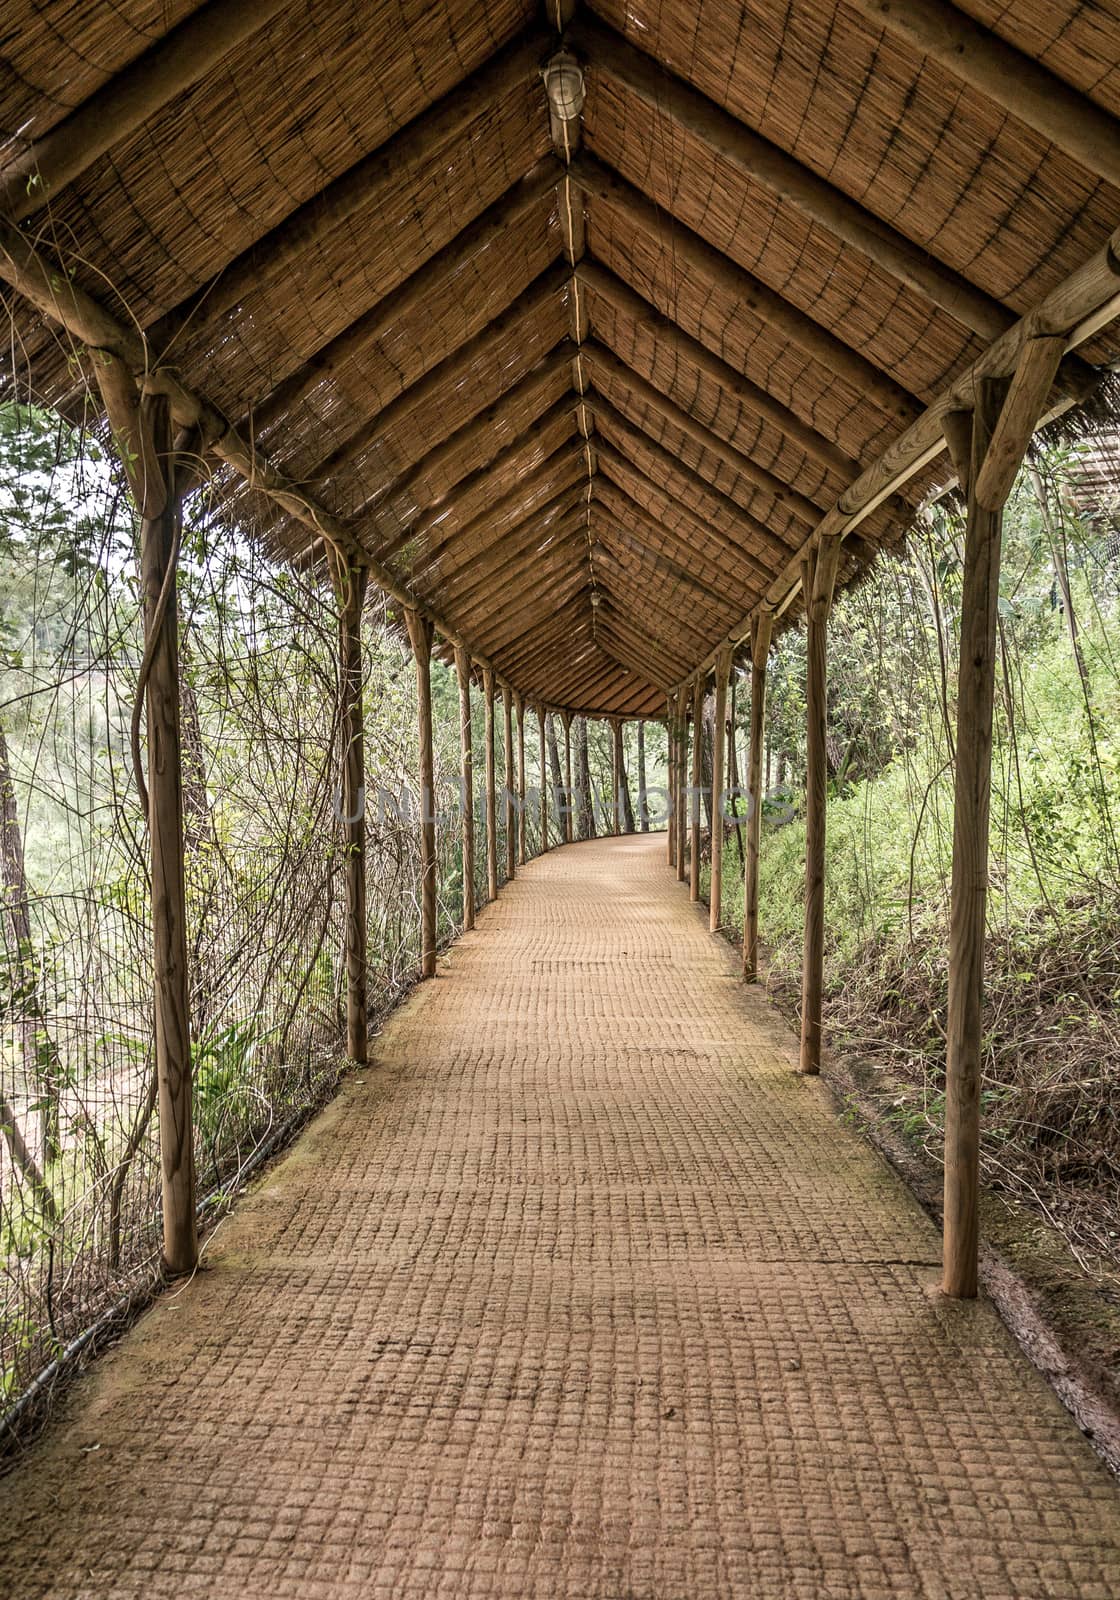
{"points": [[596, 599], [563, 81]]}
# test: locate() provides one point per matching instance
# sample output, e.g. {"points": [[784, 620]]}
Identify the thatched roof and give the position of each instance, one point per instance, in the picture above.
{"points": [[581, 390]]}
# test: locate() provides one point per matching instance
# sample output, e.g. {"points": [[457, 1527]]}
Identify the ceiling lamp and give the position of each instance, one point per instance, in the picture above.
{"points": [[563, 81]]}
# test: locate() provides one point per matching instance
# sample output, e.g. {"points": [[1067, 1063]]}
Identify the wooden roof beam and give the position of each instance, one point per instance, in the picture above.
{"points": [[624, 588], [525, 510], [280, 248], [694, 254], [595, 687], [638, 654], [558, 473], [646, 602], [1075, 310], [515, 638], [1023, 87], [553, 430], [621, 690], [503, 630], [503, 428], [789, 500], [649, 556], [165, 69], [705, 500], [756, 159], [456, 368], [622, 512], [556, 634], [639, 310], [568, 635], [521, 558], [707, 534], [517, 408], [486, 232]]}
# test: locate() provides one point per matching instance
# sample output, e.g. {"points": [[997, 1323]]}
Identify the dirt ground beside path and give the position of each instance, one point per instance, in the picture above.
{"points": [[579, 1291]]}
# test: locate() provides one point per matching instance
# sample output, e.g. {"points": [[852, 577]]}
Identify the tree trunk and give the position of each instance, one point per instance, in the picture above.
{"points": [[41, 1061], [624, 789], [707, 723], [557, 771], [643, 807], [586, 812], [24, 1160], [733, 776]]}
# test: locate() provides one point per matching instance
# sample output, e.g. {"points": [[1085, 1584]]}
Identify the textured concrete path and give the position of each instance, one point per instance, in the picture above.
{"points": [[581, 1292]]}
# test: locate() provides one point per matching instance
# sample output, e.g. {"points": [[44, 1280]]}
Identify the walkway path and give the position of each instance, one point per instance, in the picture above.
{"points": [[580, 1293]]}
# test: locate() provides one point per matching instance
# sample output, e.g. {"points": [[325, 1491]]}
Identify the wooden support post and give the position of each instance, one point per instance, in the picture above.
{"points": [[508, 781], [521, 819], [616, 768], [491, 791], [761, 628], [671, 741], [975, 695], [566, 719], [466, 802], [542, 763], [159, 543], [350, 583], [1002, 421], [719, 746], [819, 579], [697, 784], [681, 797], [643, 806], [420, 633]]}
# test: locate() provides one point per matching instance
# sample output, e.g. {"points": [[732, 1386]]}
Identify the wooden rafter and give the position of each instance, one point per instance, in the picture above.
{"points": [[554, 475], [487, 231], [495, 435], [787, 499], [703, 498], [629, 529], [641, 311], [703, 535], [1025, 89], [520, 558], [498, 528], [455, 368], [517, 408], [169, 66], [279, 250], [665, 96], [696, 255], [1075, 310]]}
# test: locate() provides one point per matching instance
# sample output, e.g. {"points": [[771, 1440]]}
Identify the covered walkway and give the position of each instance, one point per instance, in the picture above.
{"points": [[579, 1290]]}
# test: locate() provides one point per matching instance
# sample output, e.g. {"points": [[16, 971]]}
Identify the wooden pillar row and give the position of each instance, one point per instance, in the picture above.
{"points": [[566, 719], [521, 818], [987, 445], [616, 770], [681, 797], [818, 580], [761, 628], [350, 588], [697, 784], [466, 803], [543, 768], [671, 739], [508, 782], [719, 746], [420, 633], [491, 791]]}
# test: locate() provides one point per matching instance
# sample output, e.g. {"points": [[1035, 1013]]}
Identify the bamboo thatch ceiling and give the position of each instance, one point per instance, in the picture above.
{"points": [[582, 389]]}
